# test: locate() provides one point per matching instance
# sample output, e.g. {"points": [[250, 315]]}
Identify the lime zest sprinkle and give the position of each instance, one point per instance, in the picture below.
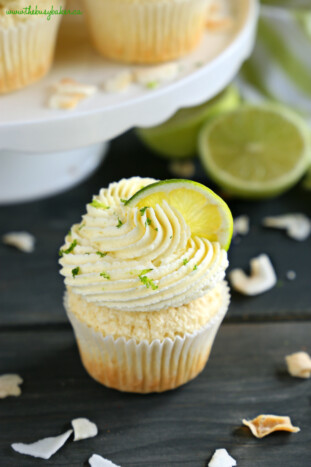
{"points": [[119, 224], [143, 210], [81, 226], [185, 261], [75, 271], [97, 204], [69, 249], [124, 201], [171, 237], [152, 84], [145, 280], [156, 228], [101, 254], [69, 233], [105, 275], [148, 221], [195, 267]]}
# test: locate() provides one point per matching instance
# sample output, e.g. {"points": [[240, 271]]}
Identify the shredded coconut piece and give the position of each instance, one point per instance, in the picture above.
{"points": [[241, 225], [264, 425], [83, 428], [291, 275], [157, 74], [221, 458], [182, 169], [217, 18], [299, 364], [67, 94], [9, 385], [24, 241], [44, 448], [297, 226], [262, 277], [119, 82], [99, 461]]}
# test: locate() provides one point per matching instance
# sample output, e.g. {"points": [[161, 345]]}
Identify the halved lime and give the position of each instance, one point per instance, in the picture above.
{"points": [[206, 214], [256, 151], [177, 137]]}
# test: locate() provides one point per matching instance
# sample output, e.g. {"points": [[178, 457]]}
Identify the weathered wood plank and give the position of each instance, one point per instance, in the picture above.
{"points": [[245, 376], [31, 288]]}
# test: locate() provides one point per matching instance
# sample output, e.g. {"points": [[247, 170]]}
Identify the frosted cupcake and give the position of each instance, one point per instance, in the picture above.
{"points": [[27, 42], [144, 295], [146, 31]]}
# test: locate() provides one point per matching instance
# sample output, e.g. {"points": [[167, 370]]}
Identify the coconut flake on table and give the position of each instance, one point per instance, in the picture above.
{"points": [[297, 226], [264, 425], [9, 385], [67, 93], [299, 365], [241, 225], [222, 458], [183, 169], [44, 448], [261, 279], [23, 241], [99, 461], [83, 429], [291, 275], [155, 75]]}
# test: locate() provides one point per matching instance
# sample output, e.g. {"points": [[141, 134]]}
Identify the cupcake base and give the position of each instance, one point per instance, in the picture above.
{"points": [[151, 31], [26, 52], [146, 367]]}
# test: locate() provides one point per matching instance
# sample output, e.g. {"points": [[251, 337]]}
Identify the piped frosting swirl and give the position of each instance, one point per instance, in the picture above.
{"points": [[133, 259]]}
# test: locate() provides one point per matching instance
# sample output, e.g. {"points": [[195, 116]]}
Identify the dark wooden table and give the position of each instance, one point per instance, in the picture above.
{"points": [[245, 376]]}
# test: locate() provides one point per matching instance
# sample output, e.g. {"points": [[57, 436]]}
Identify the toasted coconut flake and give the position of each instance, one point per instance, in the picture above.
{"points": [[219, 23], [44, 448], [264, 425], [24, 241], [83, 428], [299, 364], [9, 385], [67, 94], [119, 82], [262, 277], [241, 225], [185, 169], [221, 458], [157, 74], [71, 86], [297, 226], [99, 461]]}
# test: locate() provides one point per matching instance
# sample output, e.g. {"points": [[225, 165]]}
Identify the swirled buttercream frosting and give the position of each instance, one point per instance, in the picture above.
{"points": [[131, 259]]}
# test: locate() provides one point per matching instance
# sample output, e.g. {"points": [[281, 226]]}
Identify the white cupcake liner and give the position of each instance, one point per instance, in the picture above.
{"points": [[146, 31], [145, 367], [26, 51]]}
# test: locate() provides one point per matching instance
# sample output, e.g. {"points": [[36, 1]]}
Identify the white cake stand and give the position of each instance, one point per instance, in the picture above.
{"points": [[43, 151]]}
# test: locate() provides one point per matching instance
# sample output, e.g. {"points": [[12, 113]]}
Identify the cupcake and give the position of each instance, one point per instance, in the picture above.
{"points": [[26, 41], [146, 31], [145, 297]]}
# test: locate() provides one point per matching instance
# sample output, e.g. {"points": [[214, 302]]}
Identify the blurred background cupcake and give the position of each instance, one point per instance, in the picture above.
{"points": [[26, 42], [146, 31]]}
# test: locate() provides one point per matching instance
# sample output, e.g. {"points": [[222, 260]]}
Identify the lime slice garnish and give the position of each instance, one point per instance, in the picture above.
{"points": [[177, 137], [205, 213], [256, 151]]}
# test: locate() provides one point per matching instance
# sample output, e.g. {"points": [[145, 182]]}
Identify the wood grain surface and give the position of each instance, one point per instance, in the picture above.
{"points": [[245, 376]]}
